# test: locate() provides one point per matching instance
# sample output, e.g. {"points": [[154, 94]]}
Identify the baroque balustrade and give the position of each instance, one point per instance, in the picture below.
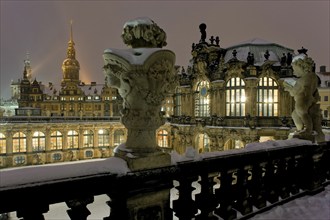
{"points": [[235, 184]]}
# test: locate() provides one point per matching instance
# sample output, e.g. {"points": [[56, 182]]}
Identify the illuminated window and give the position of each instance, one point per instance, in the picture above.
{"points": [[177, 102], [233, 144], [118, 137], [38, 141], [267, 97], [103, 138], [19, 142], [56, 138], [88, 138], [202, 100], [72, 141], [2, 143], [235, 97], [203, 143], [162, 138]]}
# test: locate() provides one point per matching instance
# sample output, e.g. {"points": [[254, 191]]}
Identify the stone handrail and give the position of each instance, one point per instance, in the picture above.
{"points": [[37, 119], [250, 183]]}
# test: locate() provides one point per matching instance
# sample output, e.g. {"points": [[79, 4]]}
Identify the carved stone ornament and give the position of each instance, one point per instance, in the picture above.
{"points": [[143, 33], [142, 76]]}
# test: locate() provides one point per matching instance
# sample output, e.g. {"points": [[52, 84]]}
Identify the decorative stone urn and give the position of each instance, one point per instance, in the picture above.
{"points": [[143, 75]]}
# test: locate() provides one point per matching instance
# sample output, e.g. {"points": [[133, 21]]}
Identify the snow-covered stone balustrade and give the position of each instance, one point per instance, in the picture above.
{"points": [[230, 184]]}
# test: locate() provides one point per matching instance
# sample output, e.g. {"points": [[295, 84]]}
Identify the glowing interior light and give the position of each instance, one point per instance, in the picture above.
{"points": [[243, 98], [101, 131]]}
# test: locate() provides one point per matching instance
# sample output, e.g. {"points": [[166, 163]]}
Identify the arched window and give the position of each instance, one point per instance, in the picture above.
{"points": [[177, 106], [88, 138], [2, 143], [162, 138], [203, 143], [72, 141], [56, 140], [233, 144], [267, 98], [202, 100], [19, 142], [103, 138], [38, 141], [235, 97], [118, 137]]}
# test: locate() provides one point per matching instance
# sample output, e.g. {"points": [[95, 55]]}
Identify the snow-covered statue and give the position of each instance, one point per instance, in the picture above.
{"points": [[307, 113], [142, 75]]}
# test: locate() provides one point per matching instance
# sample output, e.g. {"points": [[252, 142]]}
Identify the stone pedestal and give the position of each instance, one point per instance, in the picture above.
{"points": [[143, 75]]}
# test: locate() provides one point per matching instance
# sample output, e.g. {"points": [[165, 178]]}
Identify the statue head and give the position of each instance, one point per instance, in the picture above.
{"points": [[302, 64], [143, 33]]}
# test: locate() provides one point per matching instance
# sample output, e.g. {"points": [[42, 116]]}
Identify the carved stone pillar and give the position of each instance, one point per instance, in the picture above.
{"points": [[142, 75], [251, 95]]}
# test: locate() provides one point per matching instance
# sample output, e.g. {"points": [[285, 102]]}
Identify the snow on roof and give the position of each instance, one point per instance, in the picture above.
{"points": [[258, 47]]}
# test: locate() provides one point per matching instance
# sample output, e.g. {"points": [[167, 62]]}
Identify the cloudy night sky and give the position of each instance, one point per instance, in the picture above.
{"points": [[43, 28]]}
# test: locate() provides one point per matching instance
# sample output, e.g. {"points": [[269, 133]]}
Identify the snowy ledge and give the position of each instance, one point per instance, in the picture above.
{"points": [[20, 176], [59, 171]]}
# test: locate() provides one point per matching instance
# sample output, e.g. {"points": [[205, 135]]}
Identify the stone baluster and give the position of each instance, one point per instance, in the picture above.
{"points": [[271, 181], [294, 173], [225, 196], [313, 172], [118, 206], [206, 201], [78, 208], [258, 191], [243, 203], [184, 207], [33, 212], [282, 175]]}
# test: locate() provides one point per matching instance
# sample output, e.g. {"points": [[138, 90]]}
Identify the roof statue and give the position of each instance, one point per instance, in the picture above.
{"points": [[202, 28]]}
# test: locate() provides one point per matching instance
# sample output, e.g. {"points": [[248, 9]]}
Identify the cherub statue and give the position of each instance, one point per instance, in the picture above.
{"points": [[307, 114]]}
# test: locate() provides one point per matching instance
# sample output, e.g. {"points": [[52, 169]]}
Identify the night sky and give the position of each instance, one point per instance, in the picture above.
{"points": [[43, 28]]}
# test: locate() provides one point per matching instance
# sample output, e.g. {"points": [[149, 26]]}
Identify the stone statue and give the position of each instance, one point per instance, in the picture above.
{"points": [[142, 75], [307, 113], [202, 29]]}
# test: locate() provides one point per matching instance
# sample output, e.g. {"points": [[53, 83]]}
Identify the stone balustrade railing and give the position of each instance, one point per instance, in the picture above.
{"points": [[235, 185], [59, 119]]}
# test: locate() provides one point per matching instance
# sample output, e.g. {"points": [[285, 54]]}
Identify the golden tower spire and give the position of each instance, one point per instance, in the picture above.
{"points": [[71, 52], [70, 66], [71, 34]]}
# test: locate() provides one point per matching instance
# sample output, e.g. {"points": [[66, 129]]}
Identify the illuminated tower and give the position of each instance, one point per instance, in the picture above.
{"points": [[27, 64], [70, 66]]}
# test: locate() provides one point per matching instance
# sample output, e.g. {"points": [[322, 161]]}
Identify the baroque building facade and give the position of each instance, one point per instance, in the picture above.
{"points": [[224, 99], [229, 97]]}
